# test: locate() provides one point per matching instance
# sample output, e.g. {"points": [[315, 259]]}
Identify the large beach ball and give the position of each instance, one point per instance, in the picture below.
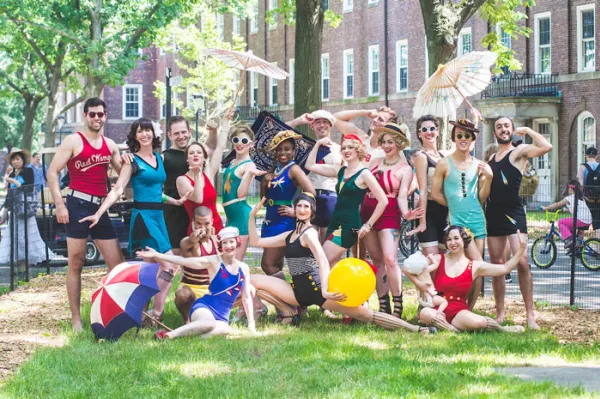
{"points": [[353, 277]]}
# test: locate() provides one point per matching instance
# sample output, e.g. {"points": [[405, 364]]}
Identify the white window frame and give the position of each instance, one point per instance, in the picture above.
{"points": [[346, 73], [220, 25], [374, 69], [325, 76], [140, 101], [580, 48], [537, 18], [348, 6], [500, 33], [581, 145], [237, 25], [78, 112], [461, 38], [291, 80], [272, 84], [400, 66], [273, 5], [253, 85], [254, 18]]}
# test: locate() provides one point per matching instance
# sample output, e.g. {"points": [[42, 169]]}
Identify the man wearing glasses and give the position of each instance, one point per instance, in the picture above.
{"points": [[87, 156], [462, 183], [505, 213]]}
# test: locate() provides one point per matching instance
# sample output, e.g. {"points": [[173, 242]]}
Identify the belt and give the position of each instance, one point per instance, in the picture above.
{"points": [[233, 201], [326, 192], [94, 199], [148, 205], [271, 202]]}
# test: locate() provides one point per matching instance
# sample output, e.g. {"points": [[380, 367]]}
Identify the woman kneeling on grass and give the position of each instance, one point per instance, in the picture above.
{"points": [[309, 268], [453, 281], [209, 315]]}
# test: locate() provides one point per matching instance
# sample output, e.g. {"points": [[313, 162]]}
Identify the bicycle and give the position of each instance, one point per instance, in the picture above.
{"points": [[408, 245], [544, 251]]}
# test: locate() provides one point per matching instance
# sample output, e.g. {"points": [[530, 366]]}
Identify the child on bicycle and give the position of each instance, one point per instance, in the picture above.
{"points": [[584, 217]]}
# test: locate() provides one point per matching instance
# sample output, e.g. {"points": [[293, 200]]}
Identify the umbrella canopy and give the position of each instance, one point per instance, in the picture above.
{"points": [[118, 304], [453, 82], [247, 61]]}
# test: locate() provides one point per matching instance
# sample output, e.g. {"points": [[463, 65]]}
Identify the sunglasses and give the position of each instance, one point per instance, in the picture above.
{"points": [[425, 129], [93, 114], [467, 136], [237, 140]]}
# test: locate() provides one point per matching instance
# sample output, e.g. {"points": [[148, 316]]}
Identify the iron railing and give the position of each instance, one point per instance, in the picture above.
{"points": [[522, 85], [250, 113]]}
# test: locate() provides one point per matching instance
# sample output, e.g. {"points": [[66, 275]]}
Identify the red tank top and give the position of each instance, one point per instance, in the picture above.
{"points": [[88, 169], [209, 200], [454, 289], [198, 277]]}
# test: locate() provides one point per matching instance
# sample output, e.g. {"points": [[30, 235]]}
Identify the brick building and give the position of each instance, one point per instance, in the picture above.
{"points": [[556, 93]]}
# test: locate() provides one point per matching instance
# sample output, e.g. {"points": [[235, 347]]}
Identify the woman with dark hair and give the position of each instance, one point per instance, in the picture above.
{"points": [[453, 281], [147, 174], [431, 224], [309, 268]]}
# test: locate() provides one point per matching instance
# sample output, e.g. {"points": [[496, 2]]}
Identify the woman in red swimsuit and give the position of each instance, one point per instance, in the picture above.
{"points": [[453, 280]]}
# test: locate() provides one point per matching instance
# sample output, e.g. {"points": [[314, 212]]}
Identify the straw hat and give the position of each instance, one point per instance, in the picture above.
{"points": [[283, 136], [24, 153], [395, 129]]}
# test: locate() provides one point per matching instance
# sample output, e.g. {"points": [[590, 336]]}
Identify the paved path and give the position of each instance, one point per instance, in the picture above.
{"points": [[570, 376]]}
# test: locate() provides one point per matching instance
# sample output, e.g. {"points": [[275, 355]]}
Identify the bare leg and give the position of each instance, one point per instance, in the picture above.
{"points": [[371, 243], [76, 253], [430, 316], [184, 299], [497, 249], [202, 322], [110, 251], [525, 280], [164, 285], [475, 252], [278, 293], [240, 251], [322, 236], [334, 252], [466, 320], [389, 238], [272, 260]]}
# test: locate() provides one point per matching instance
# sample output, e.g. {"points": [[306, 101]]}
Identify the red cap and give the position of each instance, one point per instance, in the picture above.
{"points": [[351, 137]]}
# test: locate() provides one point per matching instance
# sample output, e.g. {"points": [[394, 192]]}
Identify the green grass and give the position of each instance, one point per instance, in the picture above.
{"points": [[319, 359]]}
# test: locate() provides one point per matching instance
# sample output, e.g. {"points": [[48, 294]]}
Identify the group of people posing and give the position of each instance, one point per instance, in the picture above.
{"points": [[348, 195]]}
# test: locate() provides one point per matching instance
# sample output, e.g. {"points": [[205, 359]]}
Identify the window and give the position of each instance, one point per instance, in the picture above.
{"points": [[325, 77], [401, 66], [132, 101], [542, 126], [291, 79], [274, 15], [78, 112], [254, 18], [220, 26], [273, 99], [504, 37], [586, 134], [254, 89], [374, 70], [372, 2], [69, 116], [465, 41], [348, 73], [237, 25], [586, 38], [348, 6], [325, 5], [542, 43]]}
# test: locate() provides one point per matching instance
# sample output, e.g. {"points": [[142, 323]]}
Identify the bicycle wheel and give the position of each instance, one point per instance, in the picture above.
{"points": [[543, 253], [590, 254], [408, 245]]}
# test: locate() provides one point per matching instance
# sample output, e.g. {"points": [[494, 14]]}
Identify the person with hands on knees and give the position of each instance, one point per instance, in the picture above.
{"points": [[353, 181], [147, 227], [454, 277], [209, 315], [309, 267]]}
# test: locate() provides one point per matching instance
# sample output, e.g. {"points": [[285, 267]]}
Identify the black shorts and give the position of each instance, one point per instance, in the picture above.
{"points": [[177, 221], [505, 220], [78, 209], [594, 208], [307, 289], [326, 201], [436, 220]]}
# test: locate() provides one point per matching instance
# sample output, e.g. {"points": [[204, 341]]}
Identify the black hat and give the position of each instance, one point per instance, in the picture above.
{"points": [[591, 151]]}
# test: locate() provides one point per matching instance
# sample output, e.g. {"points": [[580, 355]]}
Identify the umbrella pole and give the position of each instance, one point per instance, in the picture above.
{"points": [[157, 321], [463, 96], [237, 92]]}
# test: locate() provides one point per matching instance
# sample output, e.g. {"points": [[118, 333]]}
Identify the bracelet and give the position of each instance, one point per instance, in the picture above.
{"points": [[368, 225], [165, 198]]}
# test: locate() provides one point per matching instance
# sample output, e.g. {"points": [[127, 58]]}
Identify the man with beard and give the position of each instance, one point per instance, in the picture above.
{"points": [[86, 156], [321, 122], [505, 214]]}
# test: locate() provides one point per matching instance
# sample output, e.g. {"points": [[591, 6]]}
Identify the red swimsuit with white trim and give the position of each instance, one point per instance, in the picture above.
{"points": [[209, 200], [454, 289]]}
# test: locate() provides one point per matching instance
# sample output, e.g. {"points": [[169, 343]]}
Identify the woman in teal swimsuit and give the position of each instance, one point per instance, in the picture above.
{"points": [[237, 179], [354, 180]]}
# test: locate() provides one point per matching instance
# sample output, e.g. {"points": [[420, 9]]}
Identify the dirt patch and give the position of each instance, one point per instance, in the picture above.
{"points": [[38, 314]]}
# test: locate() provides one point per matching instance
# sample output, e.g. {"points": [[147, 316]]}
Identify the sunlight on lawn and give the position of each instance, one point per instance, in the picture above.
{"points": [[198, 369]]}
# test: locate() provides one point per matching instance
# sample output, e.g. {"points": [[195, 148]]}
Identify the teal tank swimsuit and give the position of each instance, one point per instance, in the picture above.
{"points": [[462, 193], [237, 209]]}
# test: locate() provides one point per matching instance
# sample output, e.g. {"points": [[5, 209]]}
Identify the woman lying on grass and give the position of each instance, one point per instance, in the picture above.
{"points": [[209, 315], [309, 268], [453, 280]]}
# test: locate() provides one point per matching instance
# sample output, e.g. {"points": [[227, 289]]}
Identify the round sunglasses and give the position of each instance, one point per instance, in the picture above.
{"points": [[243, 140], [425, 129], [467, 136]]}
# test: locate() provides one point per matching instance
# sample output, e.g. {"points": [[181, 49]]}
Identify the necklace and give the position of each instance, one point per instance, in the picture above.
{"points": [[386, 163], [279, 170]]}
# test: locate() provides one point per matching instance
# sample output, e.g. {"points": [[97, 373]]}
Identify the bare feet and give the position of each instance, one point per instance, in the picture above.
{"points": [[532, 324], [500, 317], [76, 325]]}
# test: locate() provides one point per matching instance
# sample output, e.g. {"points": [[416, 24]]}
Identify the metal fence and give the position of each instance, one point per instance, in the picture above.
{"points": [[566, 281], [522, 85]]}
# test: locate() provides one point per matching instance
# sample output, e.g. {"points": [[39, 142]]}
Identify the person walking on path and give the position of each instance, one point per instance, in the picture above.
{"points": [[39, 171], [589, 180], [505, 213], [87, 156]]}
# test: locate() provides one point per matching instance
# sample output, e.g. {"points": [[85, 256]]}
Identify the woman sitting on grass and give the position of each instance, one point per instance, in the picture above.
{"points": [[209, 315], [453, 281], [309, 268]]}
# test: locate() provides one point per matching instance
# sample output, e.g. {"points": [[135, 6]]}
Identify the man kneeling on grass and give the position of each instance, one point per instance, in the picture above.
{"points": [[228, 277]]}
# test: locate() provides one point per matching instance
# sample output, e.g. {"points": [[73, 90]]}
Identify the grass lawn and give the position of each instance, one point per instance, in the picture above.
{"points": [[319, 359]]}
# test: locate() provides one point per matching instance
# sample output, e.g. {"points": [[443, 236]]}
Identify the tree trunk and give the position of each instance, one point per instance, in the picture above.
{"points": [[307, 70], [29, 110], [50, 123]]}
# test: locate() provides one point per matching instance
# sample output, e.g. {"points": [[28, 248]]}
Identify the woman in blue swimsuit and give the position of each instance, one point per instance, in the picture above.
{"points": [[147, 175], [228, 278]]}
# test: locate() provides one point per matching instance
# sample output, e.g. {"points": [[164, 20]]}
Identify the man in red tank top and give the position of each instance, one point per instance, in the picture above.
{"points": [[87, 156]]}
